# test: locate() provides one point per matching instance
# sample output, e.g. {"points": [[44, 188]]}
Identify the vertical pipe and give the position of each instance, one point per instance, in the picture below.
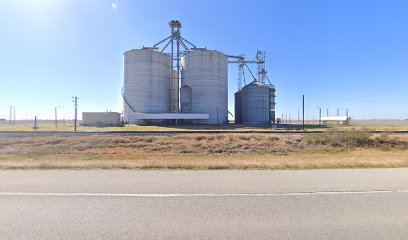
{"points": [[178, 68], [173, 88]]}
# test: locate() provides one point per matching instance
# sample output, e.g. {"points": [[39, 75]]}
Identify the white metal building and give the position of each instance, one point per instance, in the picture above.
{"points": [[336, 119], [101, 119]]}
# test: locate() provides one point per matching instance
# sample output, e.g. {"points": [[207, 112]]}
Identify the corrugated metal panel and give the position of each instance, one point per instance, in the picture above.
{"points": [[100, 118], [168, 116], [238, 107], [206, 72], [147, 82], [272, 103], [186, 99], [255, 103]]}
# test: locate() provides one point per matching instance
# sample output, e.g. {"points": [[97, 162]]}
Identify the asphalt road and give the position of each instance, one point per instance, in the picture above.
{"points": [[313, 204]]}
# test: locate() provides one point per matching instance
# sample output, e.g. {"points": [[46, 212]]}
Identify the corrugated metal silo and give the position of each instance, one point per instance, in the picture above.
{"points": [[206, 72], [238, 107], [255, 101], [147, 82]]}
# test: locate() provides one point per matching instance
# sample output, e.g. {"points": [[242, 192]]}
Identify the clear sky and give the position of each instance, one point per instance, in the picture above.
{"points": [[339, 53]]}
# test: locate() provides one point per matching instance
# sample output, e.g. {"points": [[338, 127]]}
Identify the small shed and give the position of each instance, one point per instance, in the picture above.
{"points": [[337, 119], [101, 119]]}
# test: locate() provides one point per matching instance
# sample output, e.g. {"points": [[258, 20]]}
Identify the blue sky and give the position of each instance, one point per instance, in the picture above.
{"points": [[339, 53]]}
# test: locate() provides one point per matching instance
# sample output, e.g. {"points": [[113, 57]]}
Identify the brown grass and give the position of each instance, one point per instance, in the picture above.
{"points": [[347, 159], [211, 151]]}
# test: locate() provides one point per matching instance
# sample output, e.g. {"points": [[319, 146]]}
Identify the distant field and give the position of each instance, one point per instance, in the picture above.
{"points": [[201, 151], [381, 122]]}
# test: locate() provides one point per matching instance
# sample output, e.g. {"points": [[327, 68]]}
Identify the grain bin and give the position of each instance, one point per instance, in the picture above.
{"points": [[238, 107], [254, 104], [206, 73], [147, 82]]}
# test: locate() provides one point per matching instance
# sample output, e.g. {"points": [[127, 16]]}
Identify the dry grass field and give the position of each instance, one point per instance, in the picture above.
{"points": [[212, 151]]}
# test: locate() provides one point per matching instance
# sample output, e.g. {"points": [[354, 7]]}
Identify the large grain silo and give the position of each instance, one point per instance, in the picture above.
{"points": [[147, 83], [206, 73], [255, 104]]}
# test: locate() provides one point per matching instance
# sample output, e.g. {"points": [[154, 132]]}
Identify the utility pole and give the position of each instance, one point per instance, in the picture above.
{"points": [[303, 112], [14, 115], [11, 115], [56, 116], [320, 115], [76, 111], [35, 127], [347, 121], [347, 115]]}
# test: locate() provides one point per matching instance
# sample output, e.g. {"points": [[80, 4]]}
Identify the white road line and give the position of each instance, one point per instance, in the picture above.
{"points": [[191, 195]]}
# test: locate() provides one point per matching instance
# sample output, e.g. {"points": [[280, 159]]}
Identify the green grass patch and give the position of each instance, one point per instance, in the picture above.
{"points": [[341, 139]]}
